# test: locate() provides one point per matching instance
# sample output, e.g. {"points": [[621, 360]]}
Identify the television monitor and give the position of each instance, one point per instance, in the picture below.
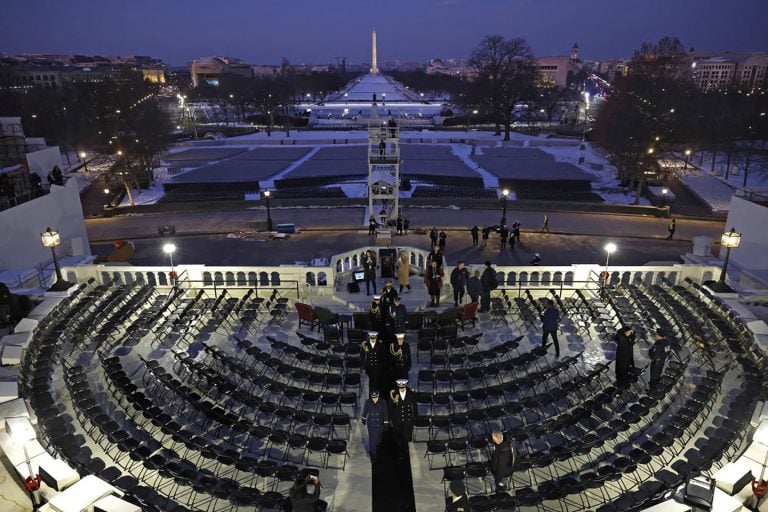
{"points": [[359, 276]]}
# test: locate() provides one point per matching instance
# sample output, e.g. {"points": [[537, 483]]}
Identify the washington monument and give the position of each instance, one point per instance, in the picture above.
{"points": [[374, 65]]}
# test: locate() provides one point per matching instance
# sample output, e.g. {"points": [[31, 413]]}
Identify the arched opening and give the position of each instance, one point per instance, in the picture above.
{"points": [[163, 278], [534, 279], [207, 279], [557, 278], [151, 278], [523, 278], [263, 279], [511, 278], [569, 278], [229, 278], [252, 279], [275, 278], [322, 279], [545, 278], [241, 279], [218, 278], [310, 278]]}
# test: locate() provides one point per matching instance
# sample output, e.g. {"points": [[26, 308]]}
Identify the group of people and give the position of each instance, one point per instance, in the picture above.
{"points": [[625, 357], [401, 223]]}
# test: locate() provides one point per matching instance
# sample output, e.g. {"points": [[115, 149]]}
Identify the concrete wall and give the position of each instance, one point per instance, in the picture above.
{"points": [[42, 161], [60, 210], [750, 219]]}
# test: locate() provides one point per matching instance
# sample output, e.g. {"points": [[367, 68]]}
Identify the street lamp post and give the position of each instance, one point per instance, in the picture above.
{"points": [[85, 162], [687, 156], [267, 195], [52, 239], [730, 240], [169, 248], [474, 118], [610, 248], [504, 196]]}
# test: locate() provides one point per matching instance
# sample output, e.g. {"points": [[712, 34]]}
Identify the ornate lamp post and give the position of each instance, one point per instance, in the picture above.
{"points": [[169, 248], [85, 162], [687, 156], [610, 248], [52, 239], [730, 240], [504, 196], [267, 195]]}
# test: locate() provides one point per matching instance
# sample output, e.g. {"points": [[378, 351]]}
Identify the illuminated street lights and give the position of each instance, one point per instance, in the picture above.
{"points": [[474, 113], [267, 195], [85, 162], [610, 248], [687, 155], [169, 248], [504, 196], [730, 240], [52, 239]]}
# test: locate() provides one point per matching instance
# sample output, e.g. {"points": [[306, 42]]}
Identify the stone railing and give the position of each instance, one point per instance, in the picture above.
{"points": [[302, 280]]}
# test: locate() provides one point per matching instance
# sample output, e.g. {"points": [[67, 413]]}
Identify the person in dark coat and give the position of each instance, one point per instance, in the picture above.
{"points": [[671, 229], [503, 235], [502, 460], [402, 412], [475, 234], [489, 282], [625, 361], [400, 357], [550, 320], [388, 293], [435, 255], [374, 360], [399, 315], [371, 225], [433, 236], [458, 501], [459, 280], [442, 240], [301, 499], [486, 235], [658, 354], [433, 279], [369, 269], [375, 416], [376, 314], [474, 287], [399, 225], [536, 261], [516, 231], [406, 224]]}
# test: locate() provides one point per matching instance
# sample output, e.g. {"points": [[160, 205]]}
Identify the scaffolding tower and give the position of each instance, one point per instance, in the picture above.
{"points": [[383, 170]]}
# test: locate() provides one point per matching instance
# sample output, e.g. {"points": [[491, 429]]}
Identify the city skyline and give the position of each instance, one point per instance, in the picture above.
{"points": [[266, 32]]}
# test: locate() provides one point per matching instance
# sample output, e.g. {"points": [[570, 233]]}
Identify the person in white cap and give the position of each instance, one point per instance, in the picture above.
{"points": [[401, 415], [376, 314], [400, 356], [374, 359]]}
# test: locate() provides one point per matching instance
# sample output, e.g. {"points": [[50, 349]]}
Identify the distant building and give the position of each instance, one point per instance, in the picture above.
{"points": [[446, 67], [714, 71], [554, 70], [211, 69]]}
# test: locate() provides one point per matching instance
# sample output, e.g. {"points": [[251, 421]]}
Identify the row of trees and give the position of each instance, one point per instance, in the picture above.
{"points": [[657, 110]]}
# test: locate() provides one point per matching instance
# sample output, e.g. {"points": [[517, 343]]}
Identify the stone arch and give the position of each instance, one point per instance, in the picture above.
{"points": [[707, 276], [218, 279], [637, 278], [207, 279], [535, 278], [557, 278], [263, 279], [322, 279], [106, 278], [163, 279], [240, 276], [252, 277], [151, 278], [568, 281], [625, 278], [523, 278], [339, 266], [658, 277], [128, 277], [546, 278], [229, 278], [310, 279], [672, 278], [500, 278], [511, 278], [275, 279], [648, 278]]}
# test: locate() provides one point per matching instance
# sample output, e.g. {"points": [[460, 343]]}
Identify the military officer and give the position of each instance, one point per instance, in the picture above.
{"points": [[400, 357], [401, 415], [374, 359], [375, 416]]}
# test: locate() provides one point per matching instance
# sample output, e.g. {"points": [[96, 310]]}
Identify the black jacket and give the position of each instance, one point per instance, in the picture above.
{"points": [[459, 278], [301, 500], [462, 505], [501, 459], [488, 279]]}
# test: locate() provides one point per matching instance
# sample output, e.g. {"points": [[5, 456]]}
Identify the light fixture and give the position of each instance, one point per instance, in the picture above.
{"points": [[52, 239]]}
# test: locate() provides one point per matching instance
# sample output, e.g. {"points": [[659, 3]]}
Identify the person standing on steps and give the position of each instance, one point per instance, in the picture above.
{"points": [[671, 228], [375, 416], [369, 272], [433, 279], [435, 255], [433, 236], [550, 321], [406, 224], [459, 280], [403, 271], [441, 242], [489, 283], [475, 235], [658, 354], [486, 234]]}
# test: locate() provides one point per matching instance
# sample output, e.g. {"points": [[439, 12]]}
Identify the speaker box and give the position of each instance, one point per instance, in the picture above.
{"points": [[353, 287]]}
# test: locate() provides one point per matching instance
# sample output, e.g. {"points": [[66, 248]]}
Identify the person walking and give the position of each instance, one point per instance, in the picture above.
{"points": [[658, 354], [474, 287], [502, 460], [516, 230], [388, 294], [400, 357], [441, 242], [550, 320], [459, 280], [374, 360], [371, 225], [433, 236], [671, 229], [435, 255], [433, 279], [503, 235], [536, 259], [304, 500], [375, 416], [625, 361], [489, 283], [402, 413], [406, 224], [545, 225], [399, 225], [486, 235], [399, 316], [404, 271], [376, 314], [475, 234]]}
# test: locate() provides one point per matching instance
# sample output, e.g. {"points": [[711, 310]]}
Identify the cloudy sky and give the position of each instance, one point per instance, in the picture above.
{"points": [[320, 31]]}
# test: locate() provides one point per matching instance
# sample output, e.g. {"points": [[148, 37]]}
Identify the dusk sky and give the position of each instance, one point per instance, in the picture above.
{"points": [[264, 31]]}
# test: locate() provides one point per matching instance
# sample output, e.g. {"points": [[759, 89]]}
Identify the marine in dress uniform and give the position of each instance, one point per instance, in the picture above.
{"points": [[375, 416], [374, 359], [376, 314], [399, 316], [400, 357]]}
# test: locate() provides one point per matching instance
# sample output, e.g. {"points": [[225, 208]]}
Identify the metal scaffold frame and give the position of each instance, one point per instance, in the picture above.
{"points": [[384, 169]]}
